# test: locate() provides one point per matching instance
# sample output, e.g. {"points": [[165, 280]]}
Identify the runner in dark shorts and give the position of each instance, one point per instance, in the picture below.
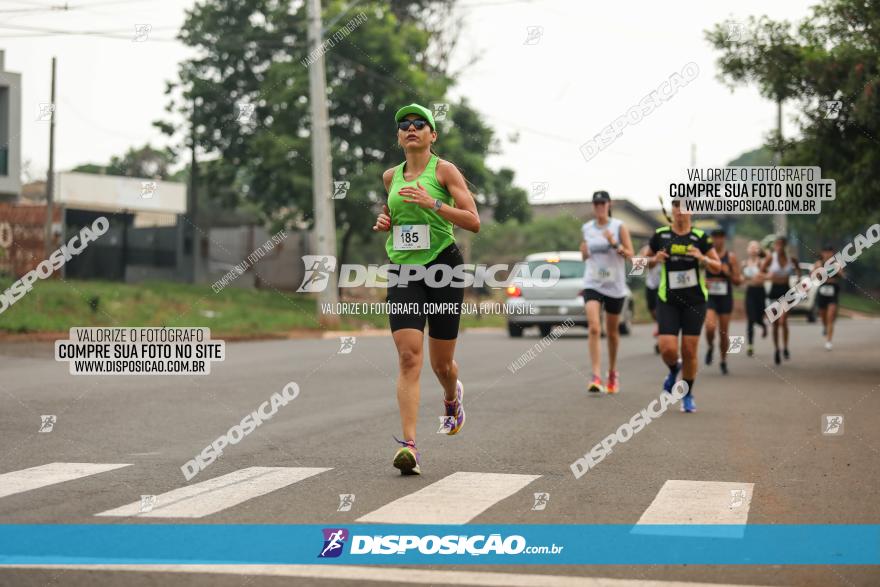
{"points": [[720, 306], [826, 296], [682, 250]]}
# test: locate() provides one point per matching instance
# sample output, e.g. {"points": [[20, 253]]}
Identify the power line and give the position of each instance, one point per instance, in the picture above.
{"points": [[125, 34]]}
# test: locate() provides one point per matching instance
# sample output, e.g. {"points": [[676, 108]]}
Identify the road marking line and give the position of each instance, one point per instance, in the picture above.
{"points": [[385, 575], [50, 474], [455, 499], [699, 502], [217, 494]]}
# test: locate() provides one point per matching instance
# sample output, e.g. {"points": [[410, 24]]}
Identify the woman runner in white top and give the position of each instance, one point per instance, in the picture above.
{"points": [[605, 246], [780, 266], [755, 294]]}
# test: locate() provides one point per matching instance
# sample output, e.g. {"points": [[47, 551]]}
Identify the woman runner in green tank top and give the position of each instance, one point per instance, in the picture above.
{"points": [[427, 197]]}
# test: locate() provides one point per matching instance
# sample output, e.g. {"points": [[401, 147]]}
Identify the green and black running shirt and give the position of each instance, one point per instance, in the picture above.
{"points": [[681, 279]]}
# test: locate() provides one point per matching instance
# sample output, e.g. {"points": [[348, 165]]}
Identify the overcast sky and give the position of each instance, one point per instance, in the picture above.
{"points": [[585, 66]]}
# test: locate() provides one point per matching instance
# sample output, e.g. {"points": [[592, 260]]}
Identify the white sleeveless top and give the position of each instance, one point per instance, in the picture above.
{"points": [[751, 269], [605, 270], [778, 270]]}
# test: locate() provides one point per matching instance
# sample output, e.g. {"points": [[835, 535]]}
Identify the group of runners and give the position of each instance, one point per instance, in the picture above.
{"points": [[690, 277]]}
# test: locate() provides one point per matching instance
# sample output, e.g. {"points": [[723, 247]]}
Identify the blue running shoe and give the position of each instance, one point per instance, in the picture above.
{"points": [[670, 379], [687, 404], [455, 409]]}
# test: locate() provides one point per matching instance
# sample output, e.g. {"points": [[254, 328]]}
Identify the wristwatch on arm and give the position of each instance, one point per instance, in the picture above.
{"points": [[437, 204]]}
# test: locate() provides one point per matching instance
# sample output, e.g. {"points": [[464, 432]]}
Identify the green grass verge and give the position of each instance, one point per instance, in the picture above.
{"points": [[55, 306], [859, 303]]}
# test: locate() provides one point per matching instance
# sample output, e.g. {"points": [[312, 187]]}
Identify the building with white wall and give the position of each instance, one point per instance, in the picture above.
{"points": [[10, 133]]}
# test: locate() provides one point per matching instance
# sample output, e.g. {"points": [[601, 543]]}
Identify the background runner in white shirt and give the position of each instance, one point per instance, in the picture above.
{"points": [[605, 246]]}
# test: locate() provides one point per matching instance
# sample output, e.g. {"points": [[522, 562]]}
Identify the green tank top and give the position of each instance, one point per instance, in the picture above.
{"points": [[403, 213]]}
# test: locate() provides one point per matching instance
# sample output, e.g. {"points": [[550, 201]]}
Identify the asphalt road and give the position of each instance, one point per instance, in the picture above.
{"points": [[760, 425]]}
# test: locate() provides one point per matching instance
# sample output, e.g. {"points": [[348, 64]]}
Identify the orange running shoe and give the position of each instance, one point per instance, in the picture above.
{"points": [[613, 383]]}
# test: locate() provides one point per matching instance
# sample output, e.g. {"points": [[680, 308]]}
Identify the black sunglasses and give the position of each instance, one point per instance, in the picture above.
{"points": [[418, 123]]}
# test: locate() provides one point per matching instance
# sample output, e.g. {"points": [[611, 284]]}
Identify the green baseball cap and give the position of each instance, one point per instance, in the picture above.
{"points": [[418, 110]]}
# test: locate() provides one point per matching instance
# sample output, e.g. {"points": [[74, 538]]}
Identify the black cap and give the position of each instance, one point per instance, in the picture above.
{"points": [[718, 232], [601, 196], [827, 247]]}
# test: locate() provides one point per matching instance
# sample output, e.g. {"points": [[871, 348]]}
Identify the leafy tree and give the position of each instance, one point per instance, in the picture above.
{"points": [[754, 226], [809, 236], [508, 201], [136, 162], [760, 157], [91, 168], [832, 56], [250, 54], [511, 242]]}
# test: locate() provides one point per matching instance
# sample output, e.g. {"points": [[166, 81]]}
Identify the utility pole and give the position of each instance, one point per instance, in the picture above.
{"points": [[192, 204], [324, 236], [50, 177], [780, 221]]}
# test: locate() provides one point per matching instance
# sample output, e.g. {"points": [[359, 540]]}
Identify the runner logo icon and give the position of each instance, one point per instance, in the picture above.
{"points": [[318, 270], [832, 108], [447, 423], [148, 189], [541, 500], [440, 111], [334, 541], [346, 345], [737, 498], [340, 189], [638, 265], [47, 423], [736, 344], [832, 424], [346, 500], [148, 502]]}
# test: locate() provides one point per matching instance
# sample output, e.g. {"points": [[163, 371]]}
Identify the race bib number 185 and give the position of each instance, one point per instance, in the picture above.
{"points": [[411, 237]]}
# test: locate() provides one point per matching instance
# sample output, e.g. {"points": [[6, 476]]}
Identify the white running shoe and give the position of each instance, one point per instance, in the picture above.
{"points": [[827, 345]]}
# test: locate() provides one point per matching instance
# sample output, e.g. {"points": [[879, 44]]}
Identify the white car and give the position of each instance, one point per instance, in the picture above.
{"points": [[546, 307]]}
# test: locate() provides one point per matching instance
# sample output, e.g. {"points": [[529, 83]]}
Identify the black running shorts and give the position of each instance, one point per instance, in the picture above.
{"points": [[827, 294], [686, 319], [418, 296], [612, 305], [721, 304], [777, 290]]}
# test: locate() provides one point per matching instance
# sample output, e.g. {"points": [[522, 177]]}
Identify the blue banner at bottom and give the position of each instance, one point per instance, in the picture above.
{"points": [[435, 544]]}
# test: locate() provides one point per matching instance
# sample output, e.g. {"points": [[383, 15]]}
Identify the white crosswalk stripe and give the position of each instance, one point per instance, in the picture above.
{"points": [[455, 499], [698, 502], [217, 494], [385, 575], [50, 474]]}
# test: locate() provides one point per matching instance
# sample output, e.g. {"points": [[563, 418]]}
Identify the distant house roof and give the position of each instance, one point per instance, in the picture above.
{"points": [[641, 223], [34, 192]]}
